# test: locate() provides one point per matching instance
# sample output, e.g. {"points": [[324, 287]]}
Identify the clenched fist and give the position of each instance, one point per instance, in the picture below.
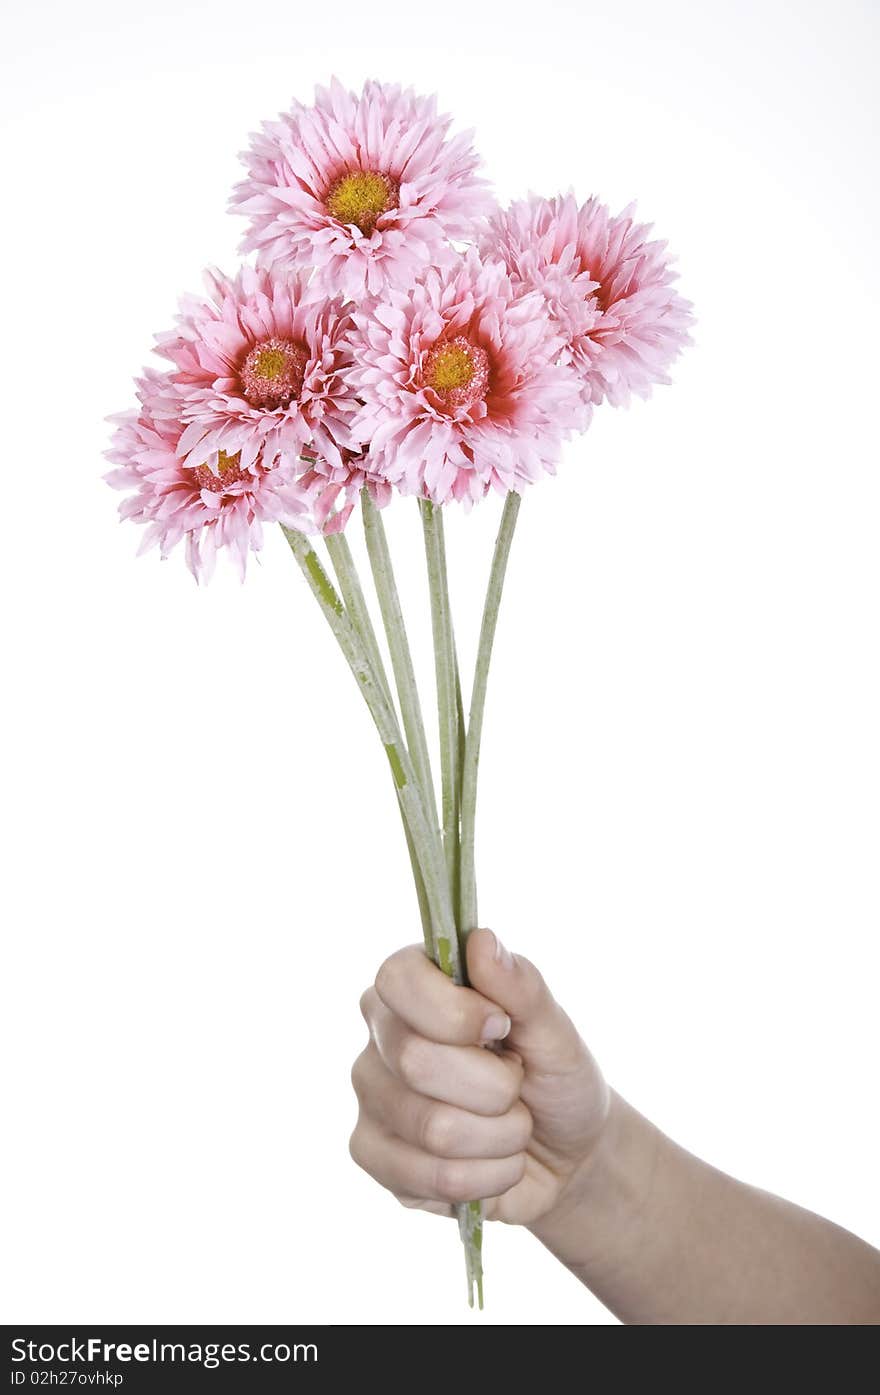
{"points": [[442, 1119]]}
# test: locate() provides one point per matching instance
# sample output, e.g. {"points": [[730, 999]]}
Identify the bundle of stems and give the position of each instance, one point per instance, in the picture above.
{"points": [[441, 849]]}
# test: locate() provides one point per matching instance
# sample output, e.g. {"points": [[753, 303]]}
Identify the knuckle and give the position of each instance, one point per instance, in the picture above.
{"points": [[516, 1174], [458, 1018], [413, 1061], [452, 1180], [438, 1130], [525, 1124], [358, 1074], [366, 1004], [387, 980], [355, 1148], [507, 1093], [512, 1090]]}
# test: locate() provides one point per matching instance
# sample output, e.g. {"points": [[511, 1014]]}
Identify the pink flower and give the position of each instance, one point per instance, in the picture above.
{"points": [[462, 384], [607, 288], [366, 189], [261, 371], [332, 491], [208, 507]]}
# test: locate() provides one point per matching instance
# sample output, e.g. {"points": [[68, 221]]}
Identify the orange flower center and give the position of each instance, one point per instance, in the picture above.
{"points": [[360, 197]]}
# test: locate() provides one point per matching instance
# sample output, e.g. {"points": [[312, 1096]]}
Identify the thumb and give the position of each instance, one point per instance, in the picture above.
{"points": [[541, 1032]]}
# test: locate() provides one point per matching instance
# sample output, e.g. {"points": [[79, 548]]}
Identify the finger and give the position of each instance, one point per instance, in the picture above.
{"points": [[541, 1032], [420, 1203], [436, 1128], [431, 1004], [467, 1076], [409, 1172]]}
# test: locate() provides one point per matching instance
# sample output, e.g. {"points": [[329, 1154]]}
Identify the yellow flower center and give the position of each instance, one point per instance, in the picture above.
{"points": [[360, 197], [272, 375], [451, 367], [228, 472], [458, 372], [270, 364]]}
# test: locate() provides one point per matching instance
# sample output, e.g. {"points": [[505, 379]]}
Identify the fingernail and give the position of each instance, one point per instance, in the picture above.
{"points": [[496, 1027], [502, 955]]}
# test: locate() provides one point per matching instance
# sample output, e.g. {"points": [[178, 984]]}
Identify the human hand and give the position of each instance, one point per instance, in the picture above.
{"points": [[531, 1128], [442, 1120]]}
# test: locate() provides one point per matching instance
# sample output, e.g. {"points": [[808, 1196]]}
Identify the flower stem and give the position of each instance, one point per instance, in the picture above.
{"points": [[398, 646], [436, 883], [355, 603], [452, 735], [446, 668], [467, 912], [428, 851], [353, 597]]}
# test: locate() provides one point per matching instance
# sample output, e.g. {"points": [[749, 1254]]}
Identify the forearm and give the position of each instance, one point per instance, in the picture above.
{"points": [[662, 1238]]}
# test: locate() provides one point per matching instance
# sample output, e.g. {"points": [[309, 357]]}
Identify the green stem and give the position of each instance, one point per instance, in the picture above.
{"points": [[445, 668], [421, 893], [470, 1228], [451, 722], [398, 647], [438, 915], [459, 770], [427, 847], [467, 913], [355, 602]]}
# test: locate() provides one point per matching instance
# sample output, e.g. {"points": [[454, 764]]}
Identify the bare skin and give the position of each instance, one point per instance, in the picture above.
{"points": [[657, 1235]]}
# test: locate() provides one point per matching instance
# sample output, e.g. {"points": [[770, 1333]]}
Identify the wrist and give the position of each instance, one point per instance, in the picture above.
{"points": [[599, 1217]]}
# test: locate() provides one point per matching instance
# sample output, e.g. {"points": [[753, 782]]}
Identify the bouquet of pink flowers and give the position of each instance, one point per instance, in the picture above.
{"points": [[399, 333]]}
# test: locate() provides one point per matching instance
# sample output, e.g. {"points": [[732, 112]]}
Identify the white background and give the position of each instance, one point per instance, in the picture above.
{"points": [[679, 814]]}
